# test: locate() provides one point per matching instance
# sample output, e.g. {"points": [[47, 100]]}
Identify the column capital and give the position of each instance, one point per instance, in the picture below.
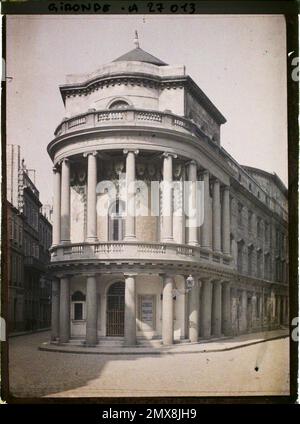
{"points": [[130, 274], [205, 172], [135, 151], [93, 153], [64, 160], [191, 162], [226, 282], [166, 275], [169, 154], [215, 180], [59, 276], [225, 188], [89, 274], [56, 168]]}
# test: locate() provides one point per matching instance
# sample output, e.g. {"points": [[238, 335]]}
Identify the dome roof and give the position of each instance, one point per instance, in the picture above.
{"points": [[139, 55]]}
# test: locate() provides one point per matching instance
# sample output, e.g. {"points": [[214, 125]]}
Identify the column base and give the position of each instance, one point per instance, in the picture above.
{"points": [[92, 239], [130, 238], [89, 344], [128, 344], [65, 241], [193, 243], [167, 240]]}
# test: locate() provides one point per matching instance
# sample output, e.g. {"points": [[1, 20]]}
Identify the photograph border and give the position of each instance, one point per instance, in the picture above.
{"points": [[292, 32]]}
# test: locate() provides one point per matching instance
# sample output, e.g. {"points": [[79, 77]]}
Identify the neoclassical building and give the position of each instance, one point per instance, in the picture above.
{"points": [[149, 275]]}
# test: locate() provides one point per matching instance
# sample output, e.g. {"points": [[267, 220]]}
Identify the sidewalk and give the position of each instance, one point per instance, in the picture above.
{"points": [[155, 347], [24, 333]]}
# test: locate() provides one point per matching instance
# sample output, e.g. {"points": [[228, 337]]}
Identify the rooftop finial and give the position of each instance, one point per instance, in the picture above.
{"points": [[136, 40]]}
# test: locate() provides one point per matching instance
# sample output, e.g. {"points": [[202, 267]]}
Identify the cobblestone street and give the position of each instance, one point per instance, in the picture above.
{"points": [[35, 373]]}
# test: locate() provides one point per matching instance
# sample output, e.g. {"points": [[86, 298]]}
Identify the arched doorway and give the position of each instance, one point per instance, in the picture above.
{"points": [[115, 310]]}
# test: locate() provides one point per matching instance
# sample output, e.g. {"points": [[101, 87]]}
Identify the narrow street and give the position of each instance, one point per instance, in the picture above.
{"points": [[260, 369]]}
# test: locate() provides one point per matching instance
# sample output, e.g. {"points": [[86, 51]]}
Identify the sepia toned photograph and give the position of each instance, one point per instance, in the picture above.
{"points": [[147, 206]]}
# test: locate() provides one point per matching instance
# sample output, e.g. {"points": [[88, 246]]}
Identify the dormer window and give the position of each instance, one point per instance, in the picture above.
{"points": [[119, 104]]}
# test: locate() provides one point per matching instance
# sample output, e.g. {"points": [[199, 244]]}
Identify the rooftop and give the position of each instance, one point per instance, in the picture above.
{"points": [[140, 55]]}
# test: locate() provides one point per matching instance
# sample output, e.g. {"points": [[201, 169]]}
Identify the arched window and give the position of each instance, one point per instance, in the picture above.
{"points": [[78, 306], [119, 104], [116, 221]]}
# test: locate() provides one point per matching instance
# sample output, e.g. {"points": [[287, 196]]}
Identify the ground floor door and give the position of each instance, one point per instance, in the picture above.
{"points": [[115, 310]]}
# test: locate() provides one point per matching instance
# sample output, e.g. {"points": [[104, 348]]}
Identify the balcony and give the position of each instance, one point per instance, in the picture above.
{"points": [[179, 255], [130, 118]]}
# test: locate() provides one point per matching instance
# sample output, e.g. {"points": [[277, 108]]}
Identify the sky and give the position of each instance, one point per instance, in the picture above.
{"points": [[238, 61]]}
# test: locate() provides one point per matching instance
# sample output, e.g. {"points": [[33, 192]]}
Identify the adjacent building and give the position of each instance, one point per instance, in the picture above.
{"points": [[119, 272], [29, 239]]}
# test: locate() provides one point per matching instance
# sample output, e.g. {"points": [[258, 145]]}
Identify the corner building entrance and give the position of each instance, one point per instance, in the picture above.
{"points": [[115, 310]]}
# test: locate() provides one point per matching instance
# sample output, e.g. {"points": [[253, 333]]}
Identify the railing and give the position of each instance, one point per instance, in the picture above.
{"points": [[135, 251], [125, 117]]}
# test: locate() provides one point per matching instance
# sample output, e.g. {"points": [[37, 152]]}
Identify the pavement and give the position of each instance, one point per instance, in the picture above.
{"points": [[155, 347], [236, 367]]}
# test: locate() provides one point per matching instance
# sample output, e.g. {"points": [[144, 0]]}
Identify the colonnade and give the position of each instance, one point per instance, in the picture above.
{"points": [[215, 230]]}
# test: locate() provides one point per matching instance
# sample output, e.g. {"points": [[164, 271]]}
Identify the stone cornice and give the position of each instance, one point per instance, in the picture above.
{"points": [[136, 78], [190, 134], [147, 80]]}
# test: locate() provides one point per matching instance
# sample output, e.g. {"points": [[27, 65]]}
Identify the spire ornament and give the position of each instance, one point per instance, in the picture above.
{"points": [[136, 40]]}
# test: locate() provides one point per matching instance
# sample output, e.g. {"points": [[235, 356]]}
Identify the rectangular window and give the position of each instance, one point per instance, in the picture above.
{"points": [[267, 232], [250, 250], [20, 236], [240, 213], [257, 306], [78, 311], [250, 214], [258, 227]]}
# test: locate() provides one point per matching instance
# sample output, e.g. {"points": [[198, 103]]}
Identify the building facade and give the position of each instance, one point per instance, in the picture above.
{"points": [[29, 238], [129, 266]]}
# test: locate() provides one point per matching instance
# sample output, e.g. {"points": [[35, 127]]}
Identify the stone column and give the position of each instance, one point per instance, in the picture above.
{"points": [[192, 180], [194, 313], [206, 308], [278, 309], [217, 309], [130, 310], [56, 205], [206, 226], [55, 310], [244, 311], [65, 201], [261, 308], [167, 311], [226, 309], [253, 311], [64, 310], [216, 212], [130, 233], [91, 196], [235, 312], [167, 198], [91, 310], [226, 221]]}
